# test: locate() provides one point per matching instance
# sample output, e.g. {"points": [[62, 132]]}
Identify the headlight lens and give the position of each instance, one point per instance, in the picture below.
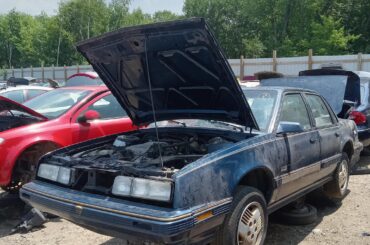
{"points": [[55, 173], [142, 188], [48, 171]]}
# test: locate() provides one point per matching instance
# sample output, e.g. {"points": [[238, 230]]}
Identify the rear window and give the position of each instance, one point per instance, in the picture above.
{"points": [[83, 81], [15, 95]]}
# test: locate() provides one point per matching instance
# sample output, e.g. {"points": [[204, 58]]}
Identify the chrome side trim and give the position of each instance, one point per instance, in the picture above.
{"points": [[298, 173]]}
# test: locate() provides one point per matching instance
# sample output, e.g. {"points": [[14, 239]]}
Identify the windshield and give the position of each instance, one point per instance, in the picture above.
{"points": [[262, 103], [56, 102]]}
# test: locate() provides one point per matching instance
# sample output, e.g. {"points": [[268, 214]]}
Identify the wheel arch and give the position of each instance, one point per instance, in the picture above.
{"points": [[261, 178], [54, 145], [348, 149]]}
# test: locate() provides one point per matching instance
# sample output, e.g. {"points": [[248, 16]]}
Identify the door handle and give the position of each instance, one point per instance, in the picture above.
{"points": [[313, 140], [337, 134]]}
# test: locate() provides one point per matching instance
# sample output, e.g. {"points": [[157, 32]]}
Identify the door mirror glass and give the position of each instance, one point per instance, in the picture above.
{"points": [[88, 116], [289, 127]]}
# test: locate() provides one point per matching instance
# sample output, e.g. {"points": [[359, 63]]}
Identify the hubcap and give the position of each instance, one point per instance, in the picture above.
{"points": [[343, 175], [251, 225]]}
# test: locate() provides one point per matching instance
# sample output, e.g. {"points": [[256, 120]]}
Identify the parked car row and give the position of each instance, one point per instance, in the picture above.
{"points": [[212, 161]]}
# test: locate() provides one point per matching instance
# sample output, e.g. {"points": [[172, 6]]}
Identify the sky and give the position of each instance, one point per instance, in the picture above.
{"points": [[35, 7]]}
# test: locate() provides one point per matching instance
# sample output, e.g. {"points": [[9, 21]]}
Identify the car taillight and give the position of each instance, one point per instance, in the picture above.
{"points": [[358, 117]]}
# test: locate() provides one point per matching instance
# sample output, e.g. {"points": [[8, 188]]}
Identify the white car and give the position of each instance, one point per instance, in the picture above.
{"points": [[22, 93]]}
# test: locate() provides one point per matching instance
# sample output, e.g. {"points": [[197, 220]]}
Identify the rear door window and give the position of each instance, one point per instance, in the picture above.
{"points": [[319, 111]]}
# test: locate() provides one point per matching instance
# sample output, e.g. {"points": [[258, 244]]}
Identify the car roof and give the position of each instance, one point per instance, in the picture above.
{"points": [[90, 74], [279, 89], [28, 87], [97, 88]]}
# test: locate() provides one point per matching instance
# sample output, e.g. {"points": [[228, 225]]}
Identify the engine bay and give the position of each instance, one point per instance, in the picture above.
{"points": [[144, 153], [140, 154]]}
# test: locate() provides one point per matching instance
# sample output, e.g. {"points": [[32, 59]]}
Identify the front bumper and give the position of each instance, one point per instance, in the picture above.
{"points": [[125, 219]]}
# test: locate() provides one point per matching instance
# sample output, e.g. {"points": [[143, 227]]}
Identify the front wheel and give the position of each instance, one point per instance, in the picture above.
{"points": [[337, 188], [247, 222]]}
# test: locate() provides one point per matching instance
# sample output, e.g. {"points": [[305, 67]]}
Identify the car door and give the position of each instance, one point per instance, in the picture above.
{"points": [[113, 119], [303, 147], [329, 131]]}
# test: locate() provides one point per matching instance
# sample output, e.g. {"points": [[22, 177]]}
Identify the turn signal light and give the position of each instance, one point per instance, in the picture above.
{"points": [[358, 117]]}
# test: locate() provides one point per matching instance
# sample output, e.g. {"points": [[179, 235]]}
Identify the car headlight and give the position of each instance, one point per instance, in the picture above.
{"points": [[1, 140], [55, 173], [142, 188]]}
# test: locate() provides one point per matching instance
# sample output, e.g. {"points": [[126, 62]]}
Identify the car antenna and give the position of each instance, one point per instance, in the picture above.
{"points": [[151, 98]]}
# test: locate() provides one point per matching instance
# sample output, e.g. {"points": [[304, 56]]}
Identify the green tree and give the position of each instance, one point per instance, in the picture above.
{"points": [[164, 15], [329, 37]]}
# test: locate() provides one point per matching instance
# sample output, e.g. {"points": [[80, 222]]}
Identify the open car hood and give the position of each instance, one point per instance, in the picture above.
{"points": [[175, 68], [7, 105]]}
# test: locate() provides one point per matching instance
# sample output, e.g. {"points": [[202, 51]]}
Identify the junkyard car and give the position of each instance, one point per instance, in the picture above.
{"points": [[345, 91], [88, 78], [22, 93], [55, 119], [206, 165]]}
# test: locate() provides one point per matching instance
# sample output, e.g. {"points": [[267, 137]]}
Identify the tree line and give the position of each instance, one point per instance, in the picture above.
{"points": [[243, 27]]}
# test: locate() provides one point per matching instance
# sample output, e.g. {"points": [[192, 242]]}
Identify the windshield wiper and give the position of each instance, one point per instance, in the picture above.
{"points": [[178, 122], [232, 125]]}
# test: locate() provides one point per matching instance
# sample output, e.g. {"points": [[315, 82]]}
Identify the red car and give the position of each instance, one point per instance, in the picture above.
{"points": [[52, 120], [88, 78]]}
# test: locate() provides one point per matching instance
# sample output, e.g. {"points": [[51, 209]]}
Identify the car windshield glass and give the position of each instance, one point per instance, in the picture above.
{"points": [[56, 102], [83, 81], [262, 103]]}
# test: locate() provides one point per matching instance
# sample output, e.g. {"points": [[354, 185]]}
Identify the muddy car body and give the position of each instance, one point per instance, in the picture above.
{"points": [[215, 170]]}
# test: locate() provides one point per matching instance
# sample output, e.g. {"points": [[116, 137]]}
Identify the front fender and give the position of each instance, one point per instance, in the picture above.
{"points": [[11, 151], [215, 176]]}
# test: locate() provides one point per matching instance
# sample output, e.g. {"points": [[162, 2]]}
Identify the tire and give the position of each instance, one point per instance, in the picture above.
{"points": [[247, 220], [305, 215], [338, 187]]}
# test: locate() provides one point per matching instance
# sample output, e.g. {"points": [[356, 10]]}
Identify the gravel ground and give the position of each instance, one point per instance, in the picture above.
{"points": [[348, 223]]}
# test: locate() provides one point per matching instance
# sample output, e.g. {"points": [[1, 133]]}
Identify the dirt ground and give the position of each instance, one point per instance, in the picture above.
{"points": [[348, 223]]}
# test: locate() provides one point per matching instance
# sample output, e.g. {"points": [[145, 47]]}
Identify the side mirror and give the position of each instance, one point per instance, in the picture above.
{"points": [[289, 127], [89, 115]]}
